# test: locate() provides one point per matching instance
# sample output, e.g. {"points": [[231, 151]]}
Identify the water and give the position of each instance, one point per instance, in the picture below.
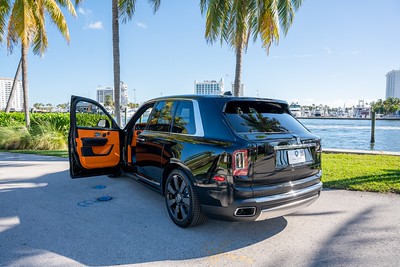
{"points": [[356, 134]]}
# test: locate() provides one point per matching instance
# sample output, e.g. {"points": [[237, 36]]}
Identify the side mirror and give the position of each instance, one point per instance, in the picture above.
{"points": [[103, 123]]}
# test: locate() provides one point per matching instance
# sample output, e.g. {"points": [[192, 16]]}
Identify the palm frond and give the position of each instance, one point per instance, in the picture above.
{"points": [[126, 9], [57, 17], [155, 4], [21, 25], [40, 42], [4, 13], [69, 5]]}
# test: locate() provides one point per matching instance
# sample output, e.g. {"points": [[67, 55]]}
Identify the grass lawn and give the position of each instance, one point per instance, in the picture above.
{"points": [[374, 173]]}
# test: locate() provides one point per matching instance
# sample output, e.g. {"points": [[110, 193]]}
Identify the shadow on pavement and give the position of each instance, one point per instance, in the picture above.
{"points": [[55, 214]]}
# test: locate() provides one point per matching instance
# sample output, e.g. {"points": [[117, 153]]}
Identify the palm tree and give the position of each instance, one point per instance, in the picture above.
{"points": [[125, 10], [26, 25], [236, 21], [391, 105]]}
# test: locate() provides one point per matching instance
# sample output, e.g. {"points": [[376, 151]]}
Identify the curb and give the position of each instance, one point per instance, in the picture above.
{"points": [[359, 152]]}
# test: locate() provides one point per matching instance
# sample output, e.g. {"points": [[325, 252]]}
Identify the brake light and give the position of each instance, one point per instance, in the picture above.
{"points": [[240, 162], [219, 178]]}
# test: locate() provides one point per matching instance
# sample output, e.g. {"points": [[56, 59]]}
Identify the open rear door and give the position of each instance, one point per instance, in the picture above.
{"points": [[94, 140]]}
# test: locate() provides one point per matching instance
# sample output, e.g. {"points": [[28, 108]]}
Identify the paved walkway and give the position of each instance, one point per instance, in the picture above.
{"points": [[49, 219]]}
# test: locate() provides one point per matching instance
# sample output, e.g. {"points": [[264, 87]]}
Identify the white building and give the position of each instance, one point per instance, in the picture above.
{"points": [[5, 90], [102, 92], [209, 87], [393, 84]]}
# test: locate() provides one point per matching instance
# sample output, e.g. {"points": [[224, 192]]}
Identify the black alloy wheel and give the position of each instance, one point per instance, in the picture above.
{"points": [[182, 201]]}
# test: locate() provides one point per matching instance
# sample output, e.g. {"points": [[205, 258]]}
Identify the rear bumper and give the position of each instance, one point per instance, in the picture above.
{"points": [[271, 206], [287, 208]]}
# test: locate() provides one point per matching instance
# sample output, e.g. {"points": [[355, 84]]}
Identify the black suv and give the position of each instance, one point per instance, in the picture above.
{"points": [[240, 159]]}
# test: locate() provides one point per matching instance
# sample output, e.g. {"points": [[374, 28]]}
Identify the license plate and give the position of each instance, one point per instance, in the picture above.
{"points": [[296, 156]]}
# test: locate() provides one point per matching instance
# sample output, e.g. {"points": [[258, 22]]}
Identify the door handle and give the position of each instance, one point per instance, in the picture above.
{"points": [[140, 139]]}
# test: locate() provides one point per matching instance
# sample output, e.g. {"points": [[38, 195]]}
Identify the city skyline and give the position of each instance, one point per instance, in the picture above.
{"points": [[334, 54]]}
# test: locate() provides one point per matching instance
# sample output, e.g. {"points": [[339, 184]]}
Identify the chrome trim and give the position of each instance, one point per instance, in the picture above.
{"points": [[241, 208], [291, 194], [296, 182], [138, 177], [197, 119], [295, 146], [286, 209]]}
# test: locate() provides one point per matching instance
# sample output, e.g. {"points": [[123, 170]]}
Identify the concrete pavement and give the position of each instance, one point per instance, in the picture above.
{"points": [[49, 219]]}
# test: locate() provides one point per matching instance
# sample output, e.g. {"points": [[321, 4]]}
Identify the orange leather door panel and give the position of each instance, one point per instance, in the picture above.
{"points": [[98, 148]]}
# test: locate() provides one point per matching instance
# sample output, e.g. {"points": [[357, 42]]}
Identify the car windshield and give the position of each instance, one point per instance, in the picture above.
{"points": [[261, 116]]}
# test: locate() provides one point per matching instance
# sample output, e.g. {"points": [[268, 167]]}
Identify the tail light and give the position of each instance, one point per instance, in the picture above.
{"points": [[240, 162]]}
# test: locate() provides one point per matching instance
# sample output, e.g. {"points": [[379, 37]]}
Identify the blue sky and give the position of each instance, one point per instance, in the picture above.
{"points": [[335, 53]]}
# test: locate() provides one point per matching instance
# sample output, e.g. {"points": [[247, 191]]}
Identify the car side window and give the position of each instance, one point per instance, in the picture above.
{"points": [[91, 115], [184, 119], [145, 116], [160, 119]]}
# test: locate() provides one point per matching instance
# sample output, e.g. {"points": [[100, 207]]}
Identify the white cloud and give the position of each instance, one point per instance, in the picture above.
{"points": [[141, 25], [84, 12], [98, 25], [276, 57]]}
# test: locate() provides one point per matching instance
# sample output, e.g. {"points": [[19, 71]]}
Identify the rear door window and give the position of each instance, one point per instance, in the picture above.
{"points": [[261, 116], [160, 119], [184, 119]]}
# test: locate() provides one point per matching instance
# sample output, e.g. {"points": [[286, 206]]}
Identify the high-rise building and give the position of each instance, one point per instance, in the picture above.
{"points": [[102, 92], [209, 87], [5, 90], [393, 84]]}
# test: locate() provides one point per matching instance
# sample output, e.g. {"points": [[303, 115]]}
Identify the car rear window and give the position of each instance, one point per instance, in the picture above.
{"points": [[261, 116]]}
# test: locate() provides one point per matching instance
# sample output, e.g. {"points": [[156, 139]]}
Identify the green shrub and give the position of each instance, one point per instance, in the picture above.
{"points": [[48, 131], [12, 119], [15, 137], [48, 135]]}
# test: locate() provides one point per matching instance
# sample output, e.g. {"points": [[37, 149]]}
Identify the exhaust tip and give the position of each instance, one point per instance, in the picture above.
{"points": [[245, 212]]}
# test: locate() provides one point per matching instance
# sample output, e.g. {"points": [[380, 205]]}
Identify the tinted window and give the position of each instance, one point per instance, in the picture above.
{"points": [[260, 116], [184, 119], [145, 116], [161, 116], [89, 115]]}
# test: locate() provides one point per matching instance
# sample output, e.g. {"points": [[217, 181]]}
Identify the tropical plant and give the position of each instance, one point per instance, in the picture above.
{"points": [[391, 104], [108, 101], [122, 9], [26, 25], [388, 106], [236, 21]]}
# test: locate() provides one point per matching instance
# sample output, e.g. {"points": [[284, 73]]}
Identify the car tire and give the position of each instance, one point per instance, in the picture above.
{"points": [[182, 200]]}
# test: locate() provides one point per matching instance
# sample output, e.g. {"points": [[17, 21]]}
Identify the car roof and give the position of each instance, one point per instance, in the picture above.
{"points": [[219, 97]]}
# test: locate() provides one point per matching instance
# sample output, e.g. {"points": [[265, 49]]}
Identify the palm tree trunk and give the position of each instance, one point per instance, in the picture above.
{"points": [[238, 71], [115, 30], [12, 93], [24, 52]]}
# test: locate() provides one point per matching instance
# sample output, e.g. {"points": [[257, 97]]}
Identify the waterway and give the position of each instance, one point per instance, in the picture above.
{"points": [[356, 134]]}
